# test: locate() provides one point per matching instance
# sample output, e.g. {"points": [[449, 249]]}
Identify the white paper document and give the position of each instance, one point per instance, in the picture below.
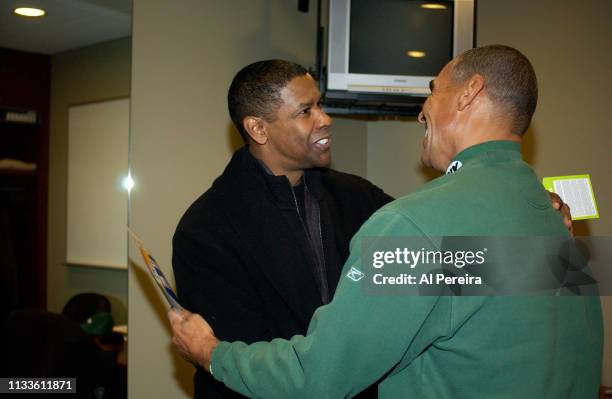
{"points": [[577, 192]]}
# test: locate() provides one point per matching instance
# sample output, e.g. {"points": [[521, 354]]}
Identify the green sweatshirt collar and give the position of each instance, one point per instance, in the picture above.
{"points": [[476, 151]]}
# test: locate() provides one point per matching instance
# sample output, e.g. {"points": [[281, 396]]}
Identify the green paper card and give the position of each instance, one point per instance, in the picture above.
{"points": [[577, 192]]}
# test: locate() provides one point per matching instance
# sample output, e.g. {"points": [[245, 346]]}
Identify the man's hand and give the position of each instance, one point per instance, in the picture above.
{"points": [[193, 337], [558, 204]]}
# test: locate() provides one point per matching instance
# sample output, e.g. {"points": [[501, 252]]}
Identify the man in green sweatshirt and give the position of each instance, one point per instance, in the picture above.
{"points": [[437, 346]]}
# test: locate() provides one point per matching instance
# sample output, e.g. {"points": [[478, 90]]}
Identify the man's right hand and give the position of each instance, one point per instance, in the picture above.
{"points": [[193, 337]]}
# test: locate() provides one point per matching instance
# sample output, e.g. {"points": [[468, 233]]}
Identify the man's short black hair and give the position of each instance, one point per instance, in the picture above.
{"points": [[255, 90], [510, 80]]}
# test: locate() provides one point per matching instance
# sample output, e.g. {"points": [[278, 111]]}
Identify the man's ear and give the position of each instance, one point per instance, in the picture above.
{"points": [[256, 129], [470, 91]]}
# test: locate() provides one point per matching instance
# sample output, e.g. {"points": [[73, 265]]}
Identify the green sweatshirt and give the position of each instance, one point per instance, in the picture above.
{"points": [[438, 346]]}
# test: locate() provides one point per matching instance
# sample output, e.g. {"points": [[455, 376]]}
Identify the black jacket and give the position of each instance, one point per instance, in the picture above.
{"points": [[239, 254]]}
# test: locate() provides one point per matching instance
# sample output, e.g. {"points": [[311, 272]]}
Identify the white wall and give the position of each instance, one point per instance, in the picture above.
{"points": [[94, 73]]}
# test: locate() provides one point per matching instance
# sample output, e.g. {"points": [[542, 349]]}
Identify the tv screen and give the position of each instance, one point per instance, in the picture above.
{"points": [[382, 53], [400, 37]]}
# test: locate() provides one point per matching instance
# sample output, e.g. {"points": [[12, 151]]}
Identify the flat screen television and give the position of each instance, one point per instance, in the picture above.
{"points": [[394, 46]]}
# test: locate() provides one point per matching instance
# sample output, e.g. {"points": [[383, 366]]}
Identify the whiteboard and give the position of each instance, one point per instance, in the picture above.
{"points": [[97, 210]]}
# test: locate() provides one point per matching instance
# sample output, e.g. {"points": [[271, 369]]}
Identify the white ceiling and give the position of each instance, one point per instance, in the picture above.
{"points": [[68, 24]]}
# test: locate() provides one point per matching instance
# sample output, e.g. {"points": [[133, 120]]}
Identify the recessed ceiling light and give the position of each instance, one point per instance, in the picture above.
{"points": [[415, 54], [29, 12], [433, 6]]}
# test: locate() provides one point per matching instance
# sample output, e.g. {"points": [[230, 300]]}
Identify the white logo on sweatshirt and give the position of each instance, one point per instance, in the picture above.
{"points": [[453, 167], [355, 274]]}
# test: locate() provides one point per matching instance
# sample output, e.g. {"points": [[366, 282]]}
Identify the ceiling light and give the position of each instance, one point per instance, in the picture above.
{"points": [[415, 54], [433, 6], [29, 12]]}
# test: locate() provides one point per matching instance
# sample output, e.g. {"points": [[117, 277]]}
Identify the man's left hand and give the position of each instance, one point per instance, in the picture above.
{"points": [[193, 337], [558, 204]]}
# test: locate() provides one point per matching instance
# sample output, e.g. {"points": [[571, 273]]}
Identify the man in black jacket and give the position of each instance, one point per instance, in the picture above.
{"points": [[259, 251]]}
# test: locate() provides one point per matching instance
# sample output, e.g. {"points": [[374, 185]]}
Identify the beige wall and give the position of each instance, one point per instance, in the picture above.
{"points": [[88, 74], [394, 148], [184, 58]]}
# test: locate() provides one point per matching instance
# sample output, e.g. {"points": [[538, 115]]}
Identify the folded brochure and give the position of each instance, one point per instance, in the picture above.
{"points": [[157, 273]]}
